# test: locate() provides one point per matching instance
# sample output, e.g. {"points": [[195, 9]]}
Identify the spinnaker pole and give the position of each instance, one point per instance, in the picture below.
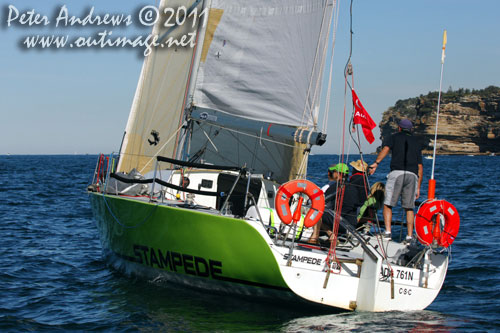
{"points": [[432, 182]]}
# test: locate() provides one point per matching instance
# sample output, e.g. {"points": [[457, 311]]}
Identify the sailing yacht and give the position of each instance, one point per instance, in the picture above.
{"points": [[214, 133]]}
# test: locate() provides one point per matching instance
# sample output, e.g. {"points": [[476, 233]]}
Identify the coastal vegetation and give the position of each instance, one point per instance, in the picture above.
{"points": [[469, 120]]}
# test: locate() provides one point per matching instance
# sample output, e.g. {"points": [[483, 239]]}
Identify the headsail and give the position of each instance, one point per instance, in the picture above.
{"points": [[156, 115]]}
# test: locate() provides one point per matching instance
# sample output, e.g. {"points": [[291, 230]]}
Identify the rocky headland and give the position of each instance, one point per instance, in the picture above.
{"points": [[469, 120]]}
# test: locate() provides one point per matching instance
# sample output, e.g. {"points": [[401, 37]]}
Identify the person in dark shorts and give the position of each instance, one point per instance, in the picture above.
{"points": [[405, 177]]}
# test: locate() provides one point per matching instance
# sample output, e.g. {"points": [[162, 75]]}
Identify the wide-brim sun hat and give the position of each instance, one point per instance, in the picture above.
{"points": [[405, 123], [340, 167], [359, 165]]}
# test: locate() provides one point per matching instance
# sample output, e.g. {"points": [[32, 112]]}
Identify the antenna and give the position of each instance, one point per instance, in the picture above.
{"points": [[432, 182]]}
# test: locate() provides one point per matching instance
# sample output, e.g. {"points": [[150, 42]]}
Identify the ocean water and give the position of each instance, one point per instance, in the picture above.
{"points": [[53, 278]]}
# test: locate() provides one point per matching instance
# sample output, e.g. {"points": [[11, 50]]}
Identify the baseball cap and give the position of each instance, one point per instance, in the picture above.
{"points": [[340, 167], [405, 123]]}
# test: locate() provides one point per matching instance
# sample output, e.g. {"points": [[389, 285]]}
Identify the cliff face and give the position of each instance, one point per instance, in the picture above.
{"points": [[469, 121]]}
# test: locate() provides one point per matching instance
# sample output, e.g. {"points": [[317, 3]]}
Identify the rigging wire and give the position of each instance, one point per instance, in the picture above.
{"points": [[439, 105], [328, 95], [161, 148], [184, 114], [239, 142], [348, 63], [348, 71], [339, 197], [313, 70], [250, 135], [317, 89]]}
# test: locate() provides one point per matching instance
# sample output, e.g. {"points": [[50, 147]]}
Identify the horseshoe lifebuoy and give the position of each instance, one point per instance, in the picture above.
{"points": [[428, 223], [287, 190]]}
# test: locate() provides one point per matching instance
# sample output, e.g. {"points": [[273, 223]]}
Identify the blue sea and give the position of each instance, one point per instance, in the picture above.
{"points": [[53, 277]]}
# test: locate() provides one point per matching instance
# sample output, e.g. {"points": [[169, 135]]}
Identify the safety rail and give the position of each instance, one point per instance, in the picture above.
{"points": [[163, 183], [105, 170], [104, 167]]}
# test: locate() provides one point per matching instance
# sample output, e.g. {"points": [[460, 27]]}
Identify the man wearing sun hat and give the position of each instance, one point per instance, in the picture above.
{"points": [[355, 191], [405, 177]]}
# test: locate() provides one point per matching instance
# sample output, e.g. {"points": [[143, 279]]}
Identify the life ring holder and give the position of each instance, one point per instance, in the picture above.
{"points": [[437, 222], [315, 194]]}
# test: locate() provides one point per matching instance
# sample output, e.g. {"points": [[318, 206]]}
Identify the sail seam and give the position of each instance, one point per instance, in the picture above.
{"points": [[276, 161], [253, 136], [313, 70], [322, 65], [329, 90]]}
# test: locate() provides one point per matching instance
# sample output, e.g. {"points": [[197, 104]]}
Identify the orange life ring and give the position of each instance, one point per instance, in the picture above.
{"points": [[315, 194], [429, 214]]}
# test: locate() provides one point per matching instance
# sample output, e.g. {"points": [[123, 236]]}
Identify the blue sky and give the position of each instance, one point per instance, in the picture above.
{"points": [[77, 101]]}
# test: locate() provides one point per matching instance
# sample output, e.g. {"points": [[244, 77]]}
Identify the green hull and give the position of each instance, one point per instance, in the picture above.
{"points": [[184, 244]]}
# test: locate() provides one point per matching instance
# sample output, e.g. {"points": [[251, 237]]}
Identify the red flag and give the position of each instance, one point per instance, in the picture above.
{"points": [[362, 118]]}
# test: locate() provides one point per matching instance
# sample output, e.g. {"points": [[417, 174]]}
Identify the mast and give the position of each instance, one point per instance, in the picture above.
{"points": [[185, 138]]}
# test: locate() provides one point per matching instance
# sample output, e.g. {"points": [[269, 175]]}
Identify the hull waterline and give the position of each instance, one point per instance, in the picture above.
{"points": [[208, 251]]}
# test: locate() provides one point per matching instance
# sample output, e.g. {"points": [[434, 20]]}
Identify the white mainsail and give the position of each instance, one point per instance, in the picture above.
{"points": [[264, 60], [261, 63], [257, 63]]}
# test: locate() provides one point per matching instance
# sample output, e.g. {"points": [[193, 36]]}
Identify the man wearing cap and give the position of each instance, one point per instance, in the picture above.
{"points": [[337, 175], [405, 177]]}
